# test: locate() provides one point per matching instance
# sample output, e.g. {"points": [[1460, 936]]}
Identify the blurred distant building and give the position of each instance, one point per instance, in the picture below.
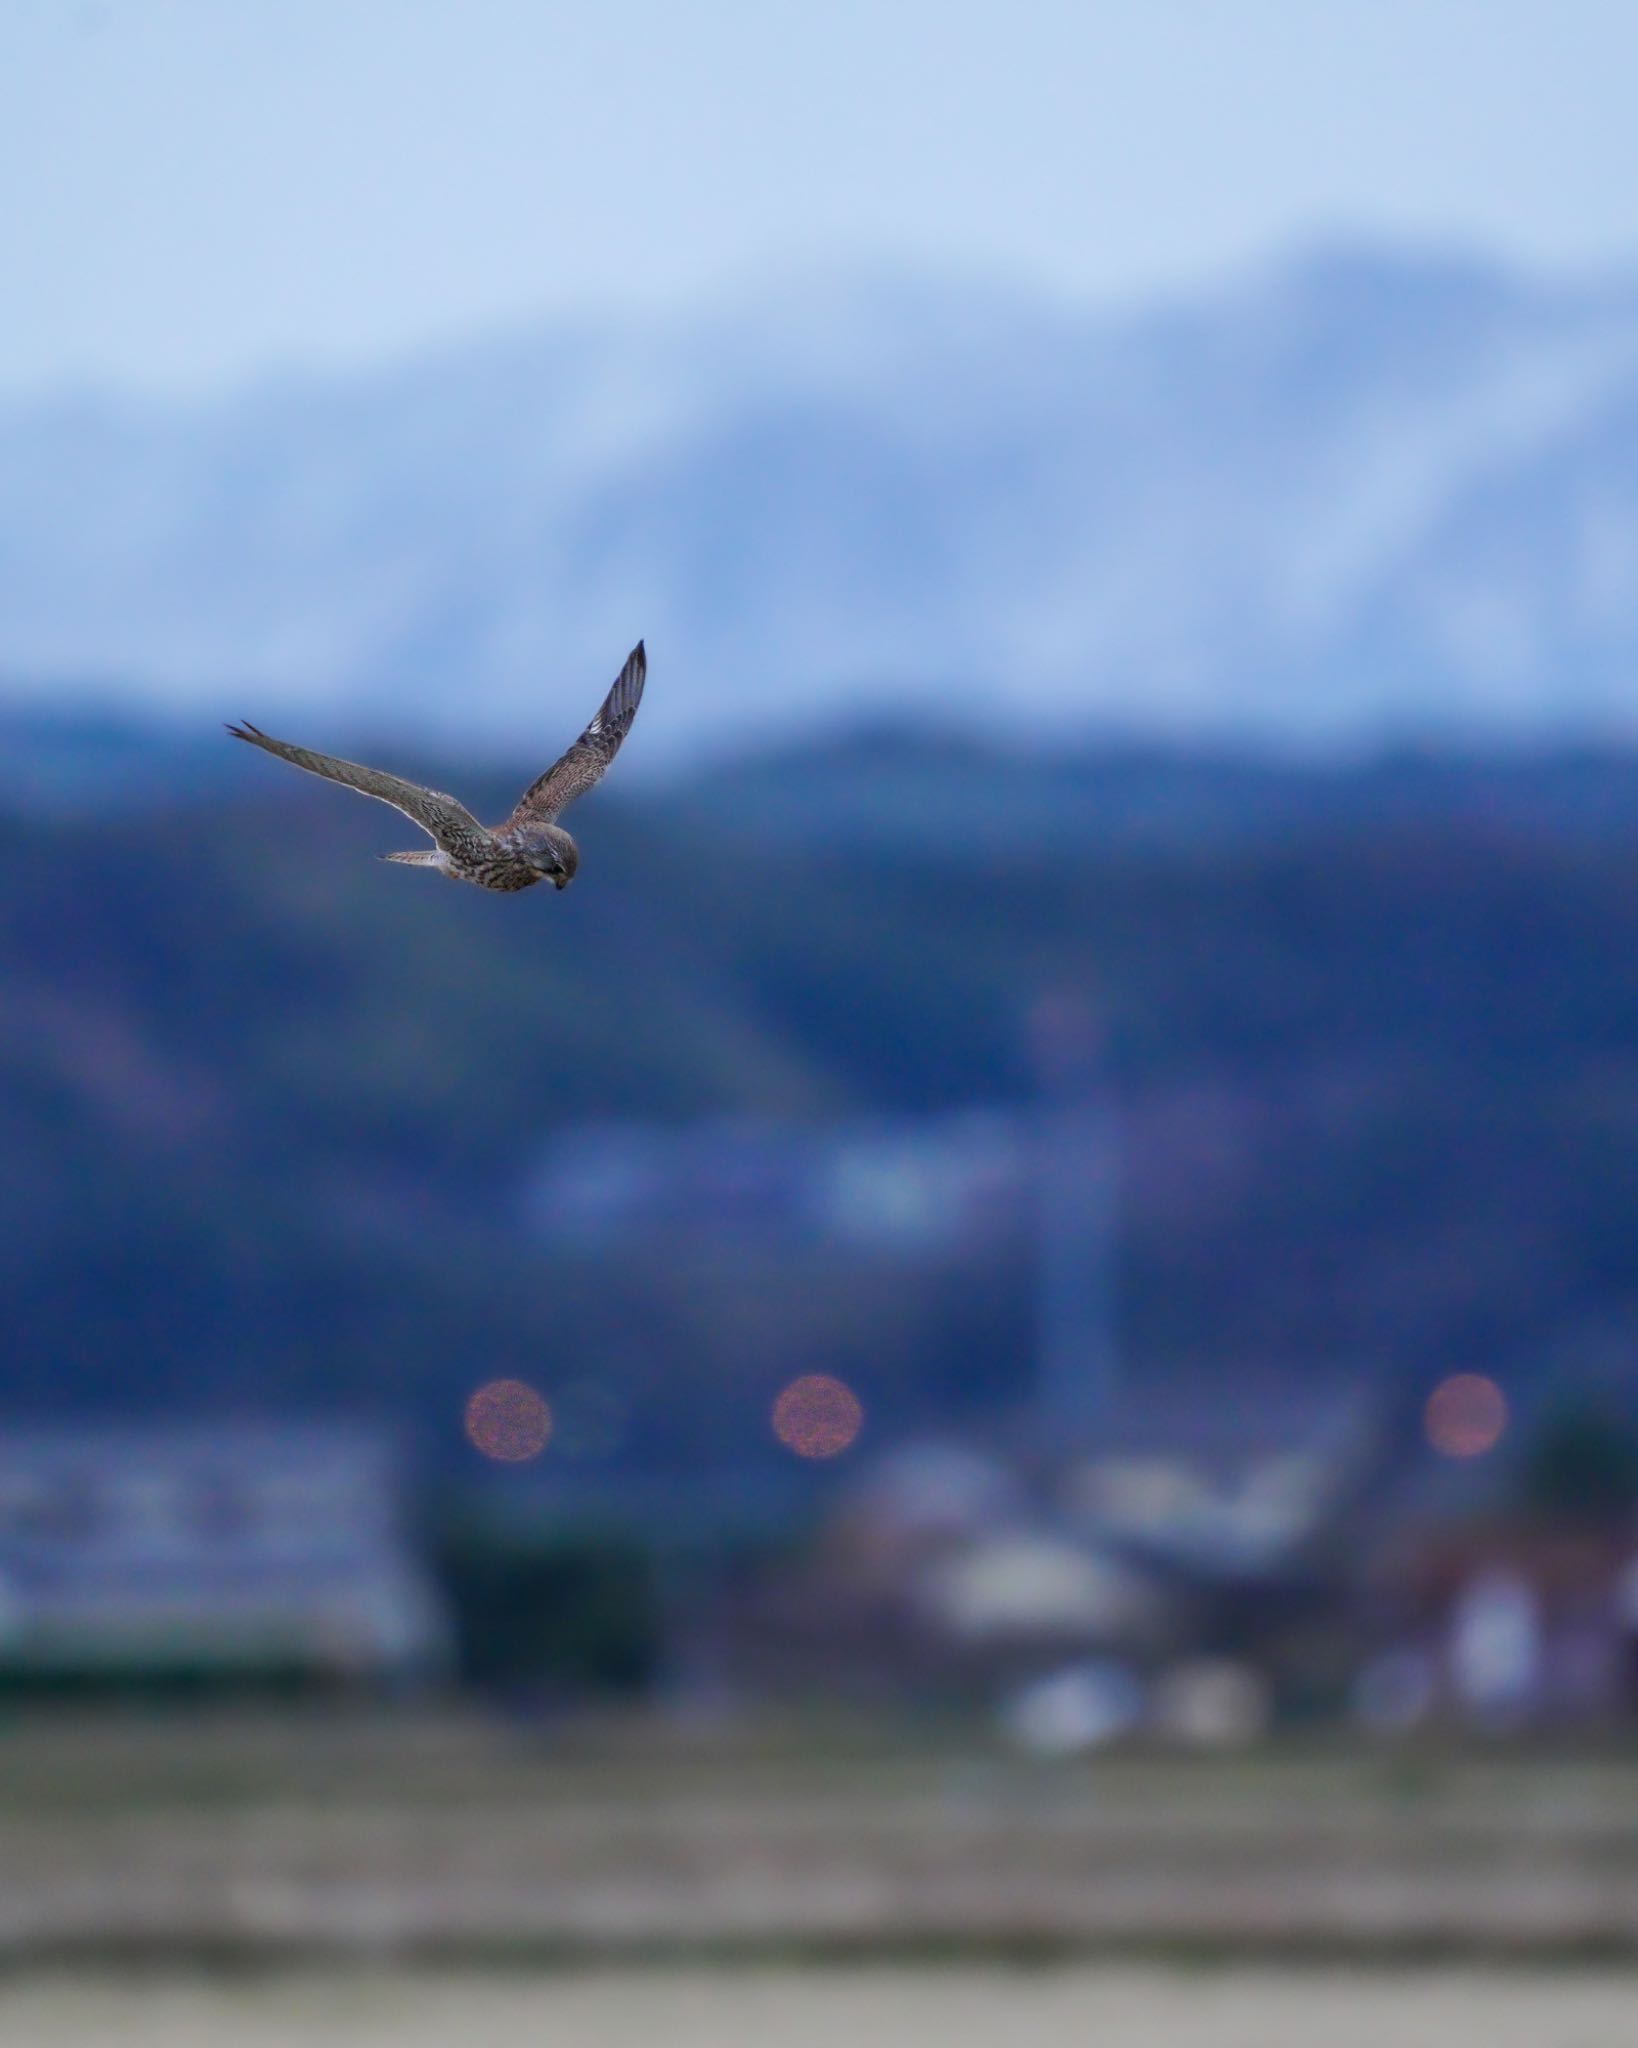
{"points": [[1190, 1527], [1225, 1482], [1041, 1176], [1510, 1621], [245, 1553], [893, 1186]]}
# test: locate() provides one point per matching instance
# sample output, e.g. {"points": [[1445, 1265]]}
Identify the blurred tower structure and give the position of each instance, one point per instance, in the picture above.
{"points": [[1077, 1169]]}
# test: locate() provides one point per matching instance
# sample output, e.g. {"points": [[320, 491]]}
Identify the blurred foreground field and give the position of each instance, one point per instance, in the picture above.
{"points": [[452, 1842], [802, 2009]]}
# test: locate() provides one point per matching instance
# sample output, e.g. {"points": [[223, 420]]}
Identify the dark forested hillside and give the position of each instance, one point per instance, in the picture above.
{"points": [[267, 1107]]}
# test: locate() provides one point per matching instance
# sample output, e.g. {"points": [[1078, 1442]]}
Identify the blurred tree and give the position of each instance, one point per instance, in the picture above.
{"points": [[575, 1614], [1583, 1465]]}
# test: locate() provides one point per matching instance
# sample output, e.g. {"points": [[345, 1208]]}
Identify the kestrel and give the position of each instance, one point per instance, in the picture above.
{"points": [[531, 846]]}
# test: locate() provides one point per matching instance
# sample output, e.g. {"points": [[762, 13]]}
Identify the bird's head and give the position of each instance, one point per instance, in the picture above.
{"points": [[553, 854]]}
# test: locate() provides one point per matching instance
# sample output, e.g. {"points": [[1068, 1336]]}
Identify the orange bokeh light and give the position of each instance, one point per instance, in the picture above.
{"points": [[508, 1421], [817, 1416], [1466, 1416]]}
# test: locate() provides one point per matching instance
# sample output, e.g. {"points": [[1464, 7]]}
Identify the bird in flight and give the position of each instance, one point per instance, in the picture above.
{"points": [[531, 846]]}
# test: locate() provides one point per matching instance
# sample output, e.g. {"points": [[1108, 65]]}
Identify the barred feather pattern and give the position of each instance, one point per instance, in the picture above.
{"points": [[586, 762], [530, 846]]}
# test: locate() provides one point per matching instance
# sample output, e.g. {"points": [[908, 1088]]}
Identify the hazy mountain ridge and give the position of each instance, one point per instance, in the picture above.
{"points": [[1355, 492], [908, 788]]}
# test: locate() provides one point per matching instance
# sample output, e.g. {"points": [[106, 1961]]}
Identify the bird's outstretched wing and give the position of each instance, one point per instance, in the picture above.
{"points": [[451, 824], [584, 763]]}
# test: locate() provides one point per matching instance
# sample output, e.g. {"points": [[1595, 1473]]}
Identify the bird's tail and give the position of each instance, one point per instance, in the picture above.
{"points": [[417, 860]]}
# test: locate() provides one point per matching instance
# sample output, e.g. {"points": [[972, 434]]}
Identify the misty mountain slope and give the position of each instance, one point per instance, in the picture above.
{"points": [[1534, 563], [1350, 490]]}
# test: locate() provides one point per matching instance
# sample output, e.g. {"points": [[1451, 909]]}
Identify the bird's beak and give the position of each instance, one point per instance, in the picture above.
{"points": [[562, 881]]}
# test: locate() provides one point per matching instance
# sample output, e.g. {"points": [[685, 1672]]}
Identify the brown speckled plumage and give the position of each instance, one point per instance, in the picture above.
{"points": [[530, 846]]}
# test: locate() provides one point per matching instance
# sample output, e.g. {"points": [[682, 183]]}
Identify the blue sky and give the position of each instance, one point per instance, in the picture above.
{"points": [[194, 192]]}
